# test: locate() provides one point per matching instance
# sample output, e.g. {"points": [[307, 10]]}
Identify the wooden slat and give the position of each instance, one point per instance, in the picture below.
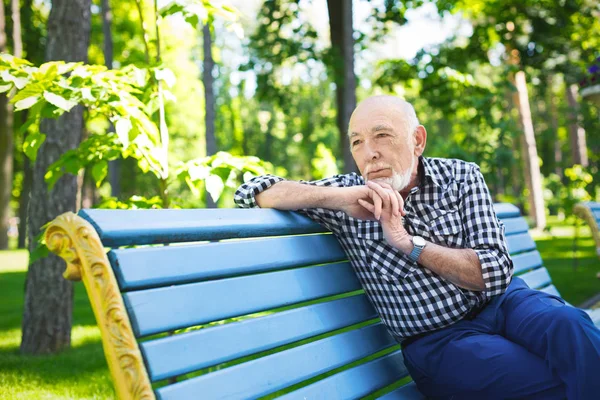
{"points": [[513, 226], [163, 266], [406, 392], [129, 227], [356, 382], [164, 309], [536, 279], [593, 205], [171, 356], [526, 261], [506, 210], [520, 243], [280, 370]]}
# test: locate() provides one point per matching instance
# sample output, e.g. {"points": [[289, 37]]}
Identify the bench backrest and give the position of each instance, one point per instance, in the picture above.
{"points": [[249, 303], [589, 211]]}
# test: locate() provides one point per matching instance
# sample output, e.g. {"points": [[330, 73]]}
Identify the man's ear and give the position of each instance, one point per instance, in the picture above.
{"points": [[420, 140]]}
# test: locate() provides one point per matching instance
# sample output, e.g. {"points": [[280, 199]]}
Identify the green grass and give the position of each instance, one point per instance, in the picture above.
{"points": [[576, 283], [81, 372]]}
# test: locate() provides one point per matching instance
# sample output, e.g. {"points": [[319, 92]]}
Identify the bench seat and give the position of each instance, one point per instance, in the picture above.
{"points": [[236, 304]]}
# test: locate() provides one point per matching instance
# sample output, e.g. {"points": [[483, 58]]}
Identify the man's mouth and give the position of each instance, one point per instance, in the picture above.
{"points": [[379, 173]]}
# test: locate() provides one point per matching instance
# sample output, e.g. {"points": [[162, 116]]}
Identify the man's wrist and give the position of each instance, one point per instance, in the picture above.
{"points": [[405, 244]]}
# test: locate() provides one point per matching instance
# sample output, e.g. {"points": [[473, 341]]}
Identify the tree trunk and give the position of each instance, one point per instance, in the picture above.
{"points": [[114, 166], [533, 178], [342, 44], [209, 100], [554, 124], [48, 296], [24, 202], [6, 148], [576, 131], [17, 40]]}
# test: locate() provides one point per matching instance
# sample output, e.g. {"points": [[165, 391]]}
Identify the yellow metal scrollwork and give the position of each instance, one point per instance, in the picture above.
{"points": [[75, 240]]}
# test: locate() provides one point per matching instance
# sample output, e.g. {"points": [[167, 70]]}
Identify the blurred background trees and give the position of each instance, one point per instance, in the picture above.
{"points": [[494, 82]]}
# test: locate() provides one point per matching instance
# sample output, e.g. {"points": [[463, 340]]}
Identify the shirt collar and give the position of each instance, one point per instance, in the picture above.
{"points": [[427, 171]]}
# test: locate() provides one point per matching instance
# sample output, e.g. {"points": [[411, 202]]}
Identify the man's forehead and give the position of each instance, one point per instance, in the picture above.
{"points": [[376, 126]]}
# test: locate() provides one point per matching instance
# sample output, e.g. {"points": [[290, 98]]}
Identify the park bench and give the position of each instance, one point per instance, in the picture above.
{"points": [[589, 211], [232, 303]]}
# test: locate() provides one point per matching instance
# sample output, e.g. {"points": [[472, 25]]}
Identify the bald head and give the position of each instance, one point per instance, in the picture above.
{"points": [[395, 107]]}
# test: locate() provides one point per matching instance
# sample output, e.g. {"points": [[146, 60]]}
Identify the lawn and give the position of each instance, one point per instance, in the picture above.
{"points": [[81, 372]]}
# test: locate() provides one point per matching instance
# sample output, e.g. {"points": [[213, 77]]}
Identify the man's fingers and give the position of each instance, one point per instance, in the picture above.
{"points": [[377, 202], [388, 195], [370, 207], [400, 203]]}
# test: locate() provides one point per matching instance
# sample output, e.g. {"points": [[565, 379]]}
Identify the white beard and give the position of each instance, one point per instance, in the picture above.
{"points": [[399, 181]]}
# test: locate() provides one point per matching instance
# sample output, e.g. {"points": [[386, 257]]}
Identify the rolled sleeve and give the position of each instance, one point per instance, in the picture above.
{"points": [[245, 195], [485, 234]]}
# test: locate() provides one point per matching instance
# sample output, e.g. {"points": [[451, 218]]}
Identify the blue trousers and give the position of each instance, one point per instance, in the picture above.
{"points": [[524, 344]]}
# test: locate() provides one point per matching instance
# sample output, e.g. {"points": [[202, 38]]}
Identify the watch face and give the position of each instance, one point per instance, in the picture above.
{"points": [[418, 241]]}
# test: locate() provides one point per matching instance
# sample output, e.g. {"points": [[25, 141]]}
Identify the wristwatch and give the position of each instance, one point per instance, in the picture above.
{"points": [[419, 244]]}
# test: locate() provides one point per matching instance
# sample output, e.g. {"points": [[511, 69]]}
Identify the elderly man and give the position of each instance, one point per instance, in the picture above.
{"points": [[423, 238]]}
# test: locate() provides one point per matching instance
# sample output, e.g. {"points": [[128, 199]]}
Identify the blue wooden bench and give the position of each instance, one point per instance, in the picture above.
{"points": [[589, 211], [240, 304]]}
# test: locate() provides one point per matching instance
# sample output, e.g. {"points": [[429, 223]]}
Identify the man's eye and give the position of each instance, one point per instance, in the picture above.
{"points": [[382, 134], [356, 142]]}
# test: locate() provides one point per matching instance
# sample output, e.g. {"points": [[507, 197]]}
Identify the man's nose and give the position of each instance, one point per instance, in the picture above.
{"points": [[372, 151]]}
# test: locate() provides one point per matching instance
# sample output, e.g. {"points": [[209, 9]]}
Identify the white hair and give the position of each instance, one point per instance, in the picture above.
{"points": [[410, 117]]}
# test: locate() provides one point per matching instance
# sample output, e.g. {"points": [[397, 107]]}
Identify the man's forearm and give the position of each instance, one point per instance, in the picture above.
{"points": [[459, 266], [290, 195]]}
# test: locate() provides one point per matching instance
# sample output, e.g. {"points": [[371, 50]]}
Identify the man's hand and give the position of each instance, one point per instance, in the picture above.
{"points": [[387, 206]]}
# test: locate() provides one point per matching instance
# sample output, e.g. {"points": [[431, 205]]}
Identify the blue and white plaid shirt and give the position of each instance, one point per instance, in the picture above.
{"points": [[452, 207]]}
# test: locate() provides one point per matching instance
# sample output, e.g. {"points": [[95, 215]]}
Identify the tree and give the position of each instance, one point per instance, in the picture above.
{"points": [[6, 147], [114, 167], [576, 131], [48, 296], [342, 48], [209, 98]]}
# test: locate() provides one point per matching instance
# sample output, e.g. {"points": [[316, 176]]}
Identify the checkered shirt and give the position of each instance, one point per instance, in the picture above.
{"points": [[452, 207]]}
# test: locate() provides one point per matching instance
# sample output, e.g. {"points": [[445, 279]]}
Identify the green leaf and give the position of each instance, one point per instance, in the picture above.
{"points": [[59, 101], [32, 143], [214, 186], [19, 82], [165, 75], [49, 70], [86, 93], [40, 251], [99, 171], [122, 127], [26, 103]]}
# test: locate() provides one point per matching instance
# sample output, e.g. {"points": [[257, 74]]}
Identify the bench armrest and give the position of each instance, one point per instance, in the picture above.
{"points": [[75, 240]]}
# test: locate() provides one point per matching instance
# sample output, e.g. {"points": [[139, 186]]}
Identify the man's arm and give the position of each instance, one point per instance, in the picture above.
{"points": [[484, 265], [320, 200], [459, 266]]}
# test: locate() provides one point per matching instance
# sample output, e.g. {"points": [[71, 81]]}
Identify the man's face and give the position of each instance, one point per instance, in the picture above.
{"points": [[381, 146]]}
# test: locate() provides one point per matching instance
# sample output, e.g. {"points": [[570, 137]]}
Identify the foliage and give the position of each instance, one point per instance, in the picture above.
{"points": [[121, 95], [562, 195], [219, 171]]}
